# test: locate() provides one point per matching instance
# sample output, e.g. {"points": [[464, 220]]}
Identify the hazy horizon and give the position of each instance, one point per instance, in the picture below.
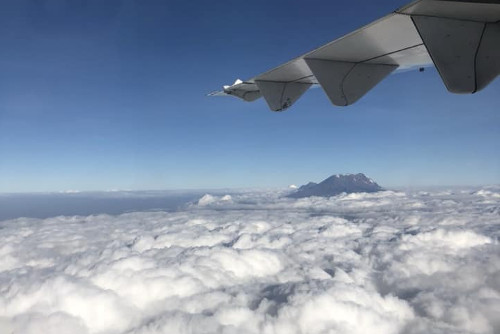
{"points": [[424, 186], [75, 203]]}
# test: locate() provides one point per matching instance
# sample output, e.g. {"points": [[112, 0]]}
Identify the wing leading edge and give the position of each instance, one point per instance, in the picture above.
{"points": [[461, 38]]}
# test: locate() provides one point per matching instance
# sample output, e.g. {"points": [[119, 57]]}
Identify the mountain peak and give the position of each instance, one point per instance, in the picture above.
{"points": [[337, 184]]}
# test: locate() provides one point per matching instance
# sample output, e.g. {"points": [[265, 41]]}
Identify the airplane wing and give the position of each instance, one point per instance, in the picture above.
{"points": [[460, 37]]}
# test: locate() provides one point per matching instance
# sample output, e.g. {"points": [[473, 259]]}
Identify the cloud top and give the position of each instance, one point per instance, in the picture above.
{"points": [[256, 262]]}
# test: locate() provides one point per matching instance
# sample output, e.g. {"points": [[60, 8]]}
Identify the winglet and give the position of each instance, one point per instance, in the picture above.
{"points": [[247, 91]]}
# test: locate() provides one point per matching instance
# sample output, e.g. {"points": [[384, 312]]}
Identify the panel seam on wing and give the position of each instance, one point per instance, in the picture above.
{"points": [[475, 57], [440, 17]]}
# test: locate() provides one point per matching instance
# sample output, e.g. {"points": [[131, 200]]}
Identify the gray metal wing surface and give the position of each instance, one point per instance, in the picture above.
{"points": [[460, 38]]}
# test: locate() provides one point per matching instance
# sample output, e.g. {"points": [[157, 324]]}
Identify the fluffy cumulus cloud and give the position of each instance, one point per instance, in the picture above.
{"points": [[255, 262]]}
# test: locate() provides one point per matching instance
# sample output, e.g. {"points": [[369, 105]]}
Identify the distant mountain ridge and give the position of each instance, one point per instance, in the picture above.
{"points": [[338, 184]]}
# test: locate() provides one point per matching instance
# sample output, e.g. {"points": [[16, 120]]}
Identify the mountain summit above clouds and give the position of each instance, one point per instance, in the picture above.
{"points": [[337, 184]]}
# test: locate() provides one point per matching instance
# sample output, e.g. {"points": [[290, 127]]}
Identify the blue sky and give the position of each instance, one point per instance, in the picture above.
{"points": [[99, 95]]}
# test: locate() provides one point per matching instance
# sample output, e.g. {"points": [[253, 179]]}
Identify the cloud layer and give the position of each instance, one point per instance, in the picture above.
{"points": [[426, 262]]}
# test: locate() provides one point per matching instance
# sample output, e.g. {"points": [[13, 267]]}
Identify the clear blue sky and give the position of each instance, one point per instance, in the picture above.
{"points": [[98, 95]]}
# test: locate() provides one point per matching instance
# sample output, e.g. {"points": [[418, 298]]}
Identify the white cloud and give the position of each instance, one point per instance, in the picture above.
{"points": [[256, 262]]}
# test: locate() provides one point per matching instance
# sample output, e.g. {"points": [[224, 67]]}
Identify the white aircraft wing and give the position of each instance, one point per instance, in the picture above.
{"points": [[461, 38]]}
